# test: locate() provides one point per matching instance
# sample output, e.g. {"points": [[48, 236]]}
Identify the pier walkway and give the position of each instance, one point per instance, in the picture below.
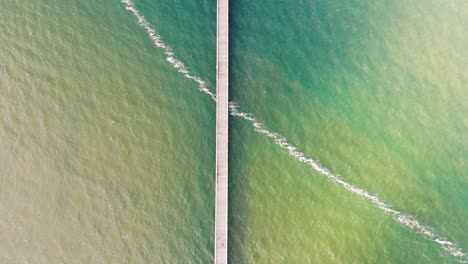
{"points": [[222, 115]]}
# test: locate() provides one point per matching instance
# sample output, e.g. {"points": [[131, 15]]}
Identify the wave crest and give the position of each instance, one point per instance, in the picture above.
{"points": [[406, 220]]}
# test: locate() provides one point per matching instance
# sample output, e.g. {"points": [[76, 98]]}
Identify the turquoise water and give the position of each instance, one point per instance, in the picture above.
{"points": [[347, 133]]}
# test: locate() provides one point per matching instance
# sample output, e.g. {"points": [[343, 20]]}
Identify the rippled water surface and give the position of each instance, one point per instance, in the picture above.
{"points": [[348, 131]]}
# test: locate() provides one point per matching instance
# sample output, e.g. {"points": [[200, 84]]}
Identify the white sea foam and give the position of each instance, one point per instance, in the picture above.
{"points": [[406, 220], [157, 40]]}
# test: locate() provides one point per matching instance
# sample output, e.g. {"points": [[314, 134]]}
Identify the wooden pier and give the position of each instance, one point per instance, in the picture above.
{"points": [[222, 115]]}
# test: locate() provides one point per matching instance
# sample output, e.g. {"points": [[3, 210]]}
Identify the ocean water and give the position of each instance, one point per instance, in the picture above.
{"points": [[347, 145], [106, 152]]}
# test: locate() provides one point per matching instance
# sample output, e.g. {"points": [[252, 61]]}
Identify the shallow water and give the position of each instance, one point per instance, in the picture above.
{"points": [[107, 147], [106, 152]]}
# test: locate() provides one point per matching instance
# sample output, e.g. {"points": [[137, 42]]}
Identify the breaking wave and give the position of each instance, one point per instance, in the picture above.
{"points": [[404, 219], [157, 41]]}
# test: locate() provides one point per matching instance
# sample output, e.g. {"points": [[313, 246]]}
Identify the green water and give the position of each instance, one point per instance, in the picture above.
{"points": [[374, 90], [107, 152]]}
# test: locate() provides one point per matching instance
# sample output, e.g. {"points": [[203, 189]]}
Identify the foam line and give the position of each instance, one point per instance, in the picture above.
{"points": [[406, 220], [157, 41]]}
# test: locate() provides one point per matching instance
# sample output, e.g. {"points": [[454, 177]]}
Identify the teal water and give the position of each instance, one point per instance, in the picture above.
{"points": [[347, 137]]}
